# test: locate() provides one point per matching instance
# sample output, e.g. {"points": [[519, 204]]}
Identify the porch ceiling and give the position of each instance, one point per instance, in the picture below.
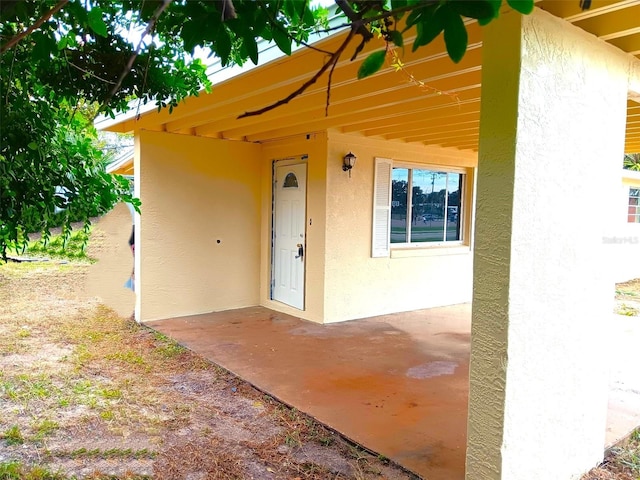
{"points": [[431, 100]]}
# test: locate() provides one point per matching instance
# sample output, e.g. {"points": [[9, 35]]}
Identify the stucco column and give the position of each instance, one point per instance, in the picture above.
{"points": [[551, 146]]}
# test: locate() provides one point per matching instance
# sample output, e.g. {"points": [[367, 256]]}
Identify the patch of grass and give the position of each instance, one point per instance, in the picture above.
{"points": [[81, 355], [72, 248], [24, 332], [113, 453], [26, 388], [170, 350], [628, 454], [292, 439], [628, 290], [44, 427], [8, 390], [13, 436], [628, 293], [627, 310], [14, 470], [82, 387], [129, 356], [38, 389], [167, 347], [111, 393], [622, 461], [107, 415]]}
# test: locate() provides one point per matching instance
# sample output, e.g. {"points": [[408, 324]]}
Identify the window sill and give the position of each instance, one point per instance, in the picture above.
{"points": [[433, 251]]}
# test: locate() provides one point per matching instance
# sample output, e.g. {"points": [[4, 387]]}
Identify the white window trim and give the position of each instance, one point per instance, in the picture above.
{"points": [[629, 197], [407, 249]]}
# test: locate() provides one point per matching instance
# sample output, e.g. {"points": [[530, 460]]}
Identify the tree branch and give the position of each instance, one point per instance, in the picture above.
{"points": [[127, 68], [357, 24], [332, 61], [275, 24], [11, 43], [91, 74], [329, 81], [10, 84]]}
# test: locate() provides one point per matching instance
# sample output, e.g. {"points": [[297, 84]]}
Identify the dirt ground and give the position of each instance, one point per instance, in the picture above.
{"points": [[628, 298], [91, 394], [88, 393]]}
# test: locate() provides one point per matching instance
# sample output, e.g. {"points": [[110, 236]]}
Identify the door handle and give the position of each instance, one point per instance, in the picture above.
{"points": [[300, 251]]}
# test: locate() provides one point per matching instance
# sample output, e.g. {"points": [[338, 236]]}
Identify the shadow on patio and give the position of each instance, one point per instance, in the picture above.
{"points": [[396, 384]]}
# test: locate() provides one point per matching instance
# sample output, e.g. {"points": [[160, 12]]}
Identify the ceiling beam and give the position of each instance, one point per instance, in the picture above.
{"points": [[629, 43], [434, 72], [435, 112], [469, 133], [429, 125], [373, 110], [614, 24], [572, 12]]}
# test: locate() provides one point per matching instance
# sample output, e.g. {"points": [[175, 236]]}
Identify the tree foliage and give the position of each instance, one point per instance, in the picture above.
{"points": [[632, 162], [63, 61]]}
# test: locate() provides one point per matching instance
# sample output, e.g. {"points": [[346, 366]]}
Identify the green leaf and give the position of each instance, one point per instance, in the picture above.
{"points": [[251, 47], [189, 34], [478, 9], [282, 40], [289, 6], [307, 15], [429, 27], [44, 46], [33, 145], [396, 4], [413, 18], [455, 33], [223, 45], [372, 64], [523, 6], [96, 22], [495, 4], [397, 39]]}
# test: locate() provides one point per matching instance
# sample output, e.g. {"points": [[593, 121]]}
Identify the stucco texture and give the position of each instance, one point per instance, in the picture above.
{"points": [[551, 140], [357, 285], [109, 246], [311, 149], [199, 232]]}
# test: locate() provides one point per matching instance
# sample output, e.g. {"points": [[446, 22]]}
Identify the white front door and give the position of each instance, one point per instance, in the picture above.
{"points": [[289, 234]]}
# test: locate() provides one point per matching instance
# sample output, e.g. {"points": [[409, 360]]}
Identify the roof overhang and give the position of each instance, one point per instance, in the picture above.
{"points": [[123, 163], [446, 112]]}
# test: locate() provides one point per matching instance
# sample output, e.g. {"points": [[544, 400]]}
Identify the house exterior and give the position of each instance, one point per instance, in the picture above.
{"points": [[623, 242], [456, 195]]}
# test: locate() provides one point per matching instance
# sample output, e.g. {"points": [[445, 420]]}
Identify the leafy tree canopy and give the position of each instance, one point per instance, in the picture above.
{"points": [[632, 162], [64, 61]]}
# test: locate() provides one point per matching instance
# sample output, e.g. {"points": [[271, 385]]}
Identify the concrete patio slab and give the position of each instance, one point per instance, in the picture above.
{"points": [[396, 384]]}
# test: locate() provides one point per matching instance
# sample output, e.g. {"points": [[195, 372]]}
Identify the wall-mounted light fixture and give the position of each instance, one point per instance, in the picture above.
{"points": [[348, 162]]}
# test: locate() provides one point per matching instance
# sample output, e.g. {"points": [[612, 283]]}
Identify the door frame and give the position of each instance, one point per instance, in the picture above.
{"points": [[282, 162]]}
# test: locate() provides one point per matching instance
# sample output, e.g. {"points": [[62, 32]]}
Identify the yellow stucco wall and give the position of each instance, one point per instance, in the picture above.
{"points": [[357, 285], [551, 142], [196, 191], [199, 236], [314, 147]]}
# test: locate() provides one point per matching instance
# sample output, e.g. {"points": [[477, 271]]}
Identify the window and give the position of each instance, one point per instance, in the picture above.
{"points": [[633, 213], [416, 206], [290, 181], [425, 205]]}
